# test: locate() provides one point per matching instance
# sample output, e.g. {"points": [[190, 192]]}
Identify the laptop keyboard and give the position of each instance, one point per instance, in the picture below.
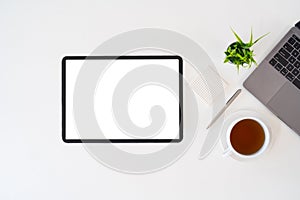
{"points": [[287, 60]]}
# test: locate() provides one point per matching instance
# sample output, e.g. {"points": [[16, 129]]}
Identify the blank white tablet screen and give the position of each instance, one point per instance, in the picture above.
{"points": [[139, 104]]}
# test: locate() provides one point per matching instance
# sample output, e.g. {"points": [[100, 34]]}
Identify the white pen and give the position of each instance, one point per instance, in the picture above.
{"points": [[232, 98]]}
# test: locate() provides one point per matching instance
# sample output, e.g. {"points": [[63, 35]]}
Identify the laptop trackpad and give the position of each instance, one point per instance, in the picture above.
{"points": [[286, 104]]}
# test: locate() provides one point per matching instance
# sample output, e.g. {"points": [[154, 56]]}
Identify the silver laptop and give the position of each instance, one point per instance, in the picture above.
{"points": [[276, 81]]}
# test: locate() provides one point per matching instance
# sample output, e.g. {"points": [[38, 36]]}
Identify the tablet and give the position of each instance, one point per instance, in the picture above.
{"points": [[139, 105]]}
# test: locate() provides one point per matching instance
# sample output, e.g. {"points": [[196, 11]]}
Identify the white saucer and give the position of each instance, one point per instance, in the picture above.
{"points": [[265, 118]]}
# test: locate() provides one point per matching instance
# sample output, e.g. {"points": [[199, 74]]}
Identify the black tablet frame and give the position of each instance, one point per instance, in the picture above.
{"points": [[176, 140]]}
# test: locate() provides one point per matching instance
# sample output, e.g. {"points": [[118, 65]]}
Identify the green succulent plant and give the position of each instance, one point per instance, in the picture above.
{"points": [[240, 53]]}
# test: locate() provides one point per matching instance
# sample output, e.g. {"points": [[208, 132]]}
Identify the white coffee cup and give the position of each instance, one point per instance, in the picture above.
{"points": [[231, 151]]}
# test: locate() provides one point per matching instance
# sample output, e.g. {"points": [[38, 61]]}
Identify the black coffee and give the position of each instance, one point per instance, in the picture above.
{"points": [[247, 136]]}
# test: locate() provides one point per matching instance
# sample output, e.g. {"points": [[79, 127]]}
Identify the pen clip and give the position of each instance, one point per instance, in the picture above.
{"points": [[233, 96]]}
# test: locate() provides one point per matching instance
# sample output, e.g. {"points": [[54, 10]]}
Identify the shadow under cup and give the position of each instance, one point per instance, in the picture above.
{"points": [[248, 137]]}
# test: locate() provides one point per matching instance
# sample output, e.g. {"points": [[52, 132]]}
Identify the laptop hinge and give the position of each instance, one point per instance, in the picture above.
{"points": [[298, 25]]}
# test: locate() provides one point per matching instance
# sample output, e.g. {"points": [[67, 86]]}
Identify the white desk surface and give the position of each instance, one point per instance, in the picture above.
{"points": [[36, 164]]}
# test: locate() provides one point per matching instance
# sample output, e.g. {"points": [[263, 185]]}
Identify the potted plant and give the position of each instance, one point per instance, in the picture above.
{"points": [[240, 53]]}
